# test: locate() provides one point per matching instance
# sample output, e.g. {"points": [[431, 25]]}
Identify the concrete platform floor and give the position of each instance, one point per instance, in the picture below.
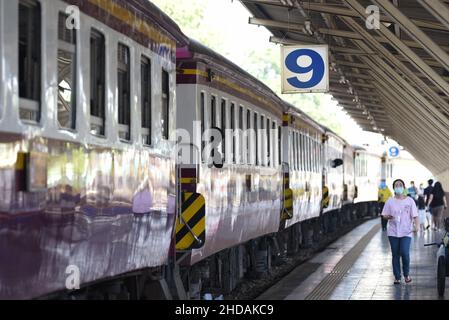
{"points": [[367, 277]]}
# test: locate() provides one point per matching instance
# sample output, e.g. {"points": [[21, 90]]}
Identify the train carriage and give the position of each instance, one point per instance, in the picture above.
{"points": [[302, 151], [87, 180], [367, 178], [243, 196], [96, 118]]}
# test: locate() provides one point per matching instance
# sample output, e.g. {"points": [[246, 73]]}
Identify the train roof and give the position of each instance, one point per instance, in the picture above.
{"points": [[159, 17], [202, 52], [199, 51], [291, 109]]}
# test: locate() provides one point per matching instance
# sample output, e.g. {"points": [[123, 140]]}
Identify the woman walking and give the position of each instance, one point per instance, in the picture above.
{"points": [[437, 203], [401, 213]]}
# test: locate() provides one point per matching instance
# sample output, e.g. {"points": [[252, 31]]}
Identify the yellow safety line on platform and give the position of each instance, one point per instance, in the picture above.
{"points": [[324, 290]]}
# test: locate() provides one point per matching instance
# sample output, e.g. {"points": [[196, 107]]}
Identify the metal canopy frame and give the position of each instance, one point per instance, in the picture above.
{"points": [[392, 80]]}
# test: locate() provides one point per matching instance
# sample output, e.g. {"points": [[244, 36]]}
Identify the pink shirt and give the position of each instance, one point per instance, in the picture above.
{"points": [[403, 212]]}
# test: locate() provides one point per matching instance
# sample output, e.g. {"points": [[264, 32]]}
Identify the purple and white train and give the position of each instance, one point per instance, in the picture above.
{"points": [[91, 194]]}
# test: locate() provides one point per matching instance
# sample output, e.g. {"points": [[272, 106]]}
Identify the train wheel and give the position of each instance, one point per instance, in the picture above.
{"points": [[441, 275]]}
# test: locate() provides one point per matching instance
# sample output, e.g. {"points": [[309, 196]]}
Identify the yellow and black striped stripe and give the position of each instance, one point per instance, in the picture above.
{"points": [[326, 198], [287, 212], [191, 227]]}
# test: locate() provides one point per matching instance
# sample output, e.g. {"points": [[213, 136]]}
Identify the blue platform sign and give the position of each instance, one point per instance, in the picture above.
{"points": [[305, 68], [393, 152]]}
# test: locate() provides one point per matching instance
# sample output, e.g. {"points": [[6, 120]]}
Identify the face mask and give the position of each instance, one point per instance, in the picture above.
{"points": [[398, 190]]}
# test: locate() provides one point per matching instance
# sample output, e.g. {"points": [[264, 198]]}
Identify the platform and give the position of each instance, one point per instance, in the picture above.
{"points": [[358, 267]]}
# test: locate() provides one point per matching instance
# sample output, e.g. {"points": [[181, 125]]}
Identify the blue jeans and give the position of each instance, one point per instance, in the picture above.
{"points": [[400, 248]]}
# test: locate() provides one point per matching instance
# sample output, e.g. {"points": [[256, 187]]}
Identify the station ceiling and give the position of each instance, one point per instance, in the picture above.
{"points": [[392, 80]]}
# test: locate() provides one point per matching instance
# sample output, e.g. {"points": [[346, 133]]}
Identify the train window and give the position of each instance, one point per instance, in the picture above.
{"points": [[202, 119], [213, 111], [274, 147], [280, 145], [66, 74], [146, 91], [223, 128], [263, 159], [233, 131], [309, 140], [30, 60], [124, 92], [165, 104], [256, 144], [307, 151], [301, 147], [248, 137], [268, 144], [97, 83], [295, 151], [213, 119], [312, 155], [298, 147], [241, 160]]}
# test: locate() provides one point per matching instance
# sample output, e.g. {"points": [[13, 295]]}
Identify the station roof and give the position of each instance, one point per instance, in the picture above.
{"points": [[392, 80]]}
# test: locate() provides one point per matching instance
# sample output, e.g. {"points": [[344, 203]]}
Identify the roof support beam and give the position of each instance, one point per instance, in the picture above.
{"points": [[414, 32], [408, 124], [401, 46], [438, 9], [332, 32], [342, 11], [409, 107]]}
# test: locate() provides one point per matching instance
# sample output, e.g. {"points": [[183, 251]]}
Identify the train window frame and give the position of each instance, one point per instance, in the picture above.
{"points": [[263, 145], [146, 117], [307, 153], [249, 160], [295, 150], [279, 145], [268, 144], [202, 116], [212, 118], [232, 129], [124, 127], [30, 101], [273, 133], [223, 126], [301, 147], [99, 118], [256, 138], [67, 47], [165, 107], [240, 135], [213, 110]]}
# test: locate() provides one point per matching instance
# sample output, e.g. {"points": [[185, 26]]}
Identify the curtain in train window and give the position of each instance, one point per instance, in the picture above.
{"points": [[124, 92], [29, 60], [97, 83], [146, 90], [165, 104], [66, 74], [263, 142]]}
